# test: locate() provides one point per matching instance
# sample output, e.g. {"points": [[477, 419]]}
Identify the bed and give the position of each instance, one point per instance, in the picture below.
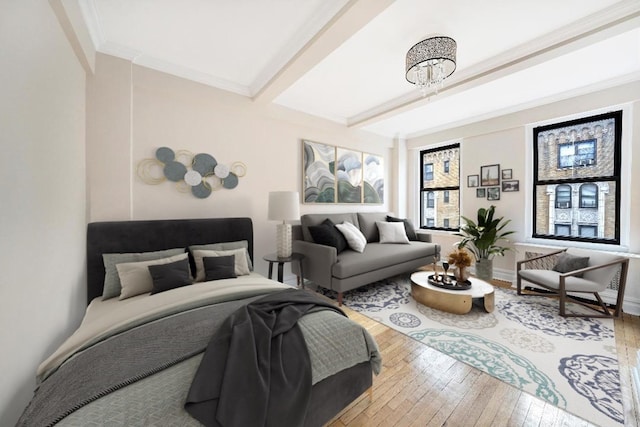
{"points": [[132, 361]]}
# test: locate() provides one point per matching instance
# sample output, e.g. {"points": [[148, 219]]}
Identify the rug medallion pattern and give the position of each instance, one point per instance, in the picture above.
{"points": [[568, 362]]}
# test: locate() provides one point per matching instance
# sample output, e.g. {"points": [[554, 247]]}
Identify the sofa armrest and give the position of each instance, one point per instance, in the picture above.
{"points": [[317, 263], [423, 236]]}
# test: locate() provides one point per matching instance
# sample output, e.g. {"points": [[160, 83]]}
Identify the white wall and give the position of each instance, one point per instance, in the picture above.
{"points": [[42, 188], [133, 110], [504, 140]]}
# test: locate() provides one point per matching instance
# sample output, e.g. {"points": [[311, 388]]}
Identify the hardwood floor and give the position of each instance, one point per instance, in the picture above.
{"points": [[419, 386]]}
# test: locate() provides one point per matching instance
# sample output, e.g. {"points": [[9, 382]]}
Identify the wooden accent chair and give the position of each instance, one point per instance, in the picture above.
{"points": [[595, 274]]}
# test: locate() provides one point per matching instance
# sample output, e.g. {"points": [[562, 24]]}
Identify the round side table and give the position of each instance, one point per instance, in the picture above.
{"points": [[295, 257]]}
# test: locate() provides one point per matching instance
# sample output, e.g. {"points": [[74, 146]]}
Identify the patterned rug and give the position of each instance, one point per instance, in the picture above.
{"points": [[569, 362]]}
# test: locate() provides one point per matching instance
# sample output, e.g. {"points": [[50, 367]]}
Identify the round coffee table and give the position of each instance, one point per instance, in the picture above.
{"points": [[456, 302]]}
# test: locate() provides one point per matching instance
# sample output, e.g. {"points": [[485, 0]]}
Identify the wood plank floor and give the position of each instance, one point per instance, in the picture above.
{"points": [[419, 386]]}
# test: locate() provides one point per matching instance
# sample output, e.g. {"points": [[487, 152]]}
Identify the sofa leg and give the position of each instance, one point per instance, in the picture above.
{"points": [[339, 299]]}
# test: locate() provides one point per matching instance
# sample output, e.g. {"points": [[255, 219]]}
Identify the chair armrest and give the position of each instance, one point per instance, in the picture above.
{"points": [[317, 263], [519, 263]]}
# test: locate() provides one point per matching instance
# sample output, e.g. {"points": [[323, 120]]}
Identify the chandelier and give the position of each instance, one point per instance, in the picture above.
{"points": [[430, 62]]}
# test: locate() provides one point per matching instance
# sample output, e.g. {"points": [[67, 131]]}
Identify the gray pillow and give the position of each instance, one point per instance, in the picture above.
{"points": [[225, 246], [567, 262], [112, 286]]}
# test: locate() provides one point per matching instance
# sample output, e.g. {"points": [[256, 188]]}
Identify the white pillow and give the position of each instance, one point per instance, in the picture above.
{"points": [[241, 266], [136, 278], [392, 232], [354, 236]]}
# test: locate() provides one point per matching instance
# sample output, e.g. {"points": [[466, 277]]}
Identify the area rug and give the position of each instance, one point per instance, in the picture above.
{"points": [[568, 362]]}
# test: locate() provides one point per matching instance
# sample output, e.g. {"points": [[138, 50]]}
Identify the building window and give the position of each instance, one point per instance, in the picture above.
{"points": [[588, 230], [428, 172], [440, 191], [563, 197], [563, 230], [576, 154], [583, 158], [430, 199], [588, 196]]}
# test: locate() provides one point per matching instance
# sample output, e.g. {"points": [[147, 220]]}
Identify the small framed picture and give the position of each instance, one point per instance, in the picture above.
{"points": [[507, 174], [472, 181], [493, 193], [481, 192], [489, 175], [513, 185]]}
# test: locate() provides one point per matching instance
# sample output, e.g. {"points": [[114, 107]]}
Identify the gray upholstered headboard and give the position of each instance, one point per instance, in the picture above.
{"points": [[146, 236]]}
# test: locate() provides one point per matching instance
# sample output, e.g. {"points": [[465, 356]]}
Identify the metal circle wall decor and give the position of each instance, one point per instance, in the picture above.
{"points": [[200, 173]]}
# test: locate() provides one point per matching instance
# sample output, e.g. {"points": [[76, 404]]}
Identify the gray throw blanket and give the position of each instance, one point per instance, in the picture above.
{"points": [[256, 369]]}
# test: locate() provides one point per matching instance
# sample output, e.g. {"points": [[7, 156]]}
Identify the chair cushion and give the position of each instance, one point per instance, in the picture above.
{"points": [[551, 279], [600, 275], [567, 262]]}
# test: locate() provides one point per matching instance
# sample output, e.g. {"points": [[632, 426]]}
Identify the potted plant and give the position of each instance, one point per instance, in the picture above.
{"points": [[482, 238], [461, 260]]}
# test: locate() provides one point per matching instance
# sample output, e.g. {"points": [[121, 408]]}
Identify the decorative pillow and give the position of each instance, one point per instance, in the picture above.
{"points": [[354, 236], [409, 229], [225, 246], [135, 277], [241, 266], [170, 276], [327, 234], [567, 262], [112, 286], [392, 232], [219, 267]]}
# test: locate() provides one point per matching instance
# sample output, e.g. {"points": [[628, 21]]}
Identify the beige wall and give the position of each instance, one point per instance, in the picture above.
{"points": [[503, 140], [128, 119], [42, 188]]}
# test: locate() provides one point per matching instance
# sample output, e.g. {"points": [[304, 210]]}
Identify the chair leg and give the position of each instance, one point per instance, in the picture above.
{"points": [[605, 310], [563, 298], [519, 285]]}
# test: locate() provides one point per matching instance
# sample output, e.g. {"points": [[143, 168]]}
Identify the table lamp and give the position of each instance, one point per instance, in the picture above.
{"points": [[283, 206]]}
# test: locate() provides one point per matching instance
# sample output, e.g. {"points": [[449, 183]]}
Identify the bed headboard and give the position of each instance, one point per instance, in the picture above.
{"points": [[154, 235]]}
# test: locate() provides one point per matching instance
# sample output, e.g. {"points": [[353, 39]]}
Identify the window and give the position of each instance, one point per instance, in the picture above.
{"points": [[588, 196], [428, 172], [577, 176], [563, 197], [588, 230], [440, 192]]}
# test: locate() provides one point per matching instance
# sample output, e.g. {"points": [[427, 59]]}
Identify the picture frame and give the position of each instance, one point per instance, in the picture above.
{"points": [[472, 181], [507, 174], [318, 178], [493, 193], [489, 175], [510, 185], [481, 193]]}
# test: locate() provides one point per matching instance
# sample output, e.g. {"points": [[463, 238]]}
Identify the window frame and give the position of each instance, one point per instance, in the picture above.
{"points": [[426, 189], [616, 178], [581, 196]]}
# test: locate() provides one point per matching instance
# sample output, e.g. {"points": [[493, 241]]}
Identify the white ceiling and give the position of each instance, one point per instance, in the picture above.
{"points": [[344, 59]]}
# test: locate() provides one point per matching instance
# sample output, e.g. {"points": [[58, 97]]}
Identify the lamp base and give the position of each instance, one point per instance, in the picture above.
{"points": [[283, 241]]}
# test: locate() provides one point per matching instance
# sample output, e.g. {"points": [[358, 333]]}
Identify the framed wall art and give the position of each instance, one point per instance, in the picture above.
{"points": [[318, 165], [472, 181], [507, 173], [348, 175], [489, 175], [373, 184], [493, 193], [512, 185], [481, 192]]}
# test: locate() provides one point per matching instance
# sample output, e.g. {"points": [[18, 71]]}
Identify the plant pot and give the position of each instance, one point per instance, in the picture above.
{"points": [[484, 269]]}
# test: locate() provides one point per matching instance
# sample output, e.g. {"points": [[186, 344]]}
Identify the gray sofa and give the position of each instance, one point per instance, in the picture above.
{"points": [[347, 270]]}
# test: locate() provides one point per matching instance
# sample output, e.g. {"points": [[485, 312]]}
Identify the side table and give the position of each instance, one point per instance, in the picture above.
{"points": [[295, 257]]}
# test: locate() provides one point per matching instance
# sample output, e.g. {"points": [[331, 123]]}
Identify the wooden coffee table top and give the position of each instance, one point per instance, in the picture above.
{"points": [[451, 301]]}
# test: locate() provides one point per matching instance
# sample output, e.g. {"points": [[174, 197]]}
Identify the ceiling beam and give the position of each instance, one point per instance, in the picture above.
{"points": [[351, 18], [69, 16]]}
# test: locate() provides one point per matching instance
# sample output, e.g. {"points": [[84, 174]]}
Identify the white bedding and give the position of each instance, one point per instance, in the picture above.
{"points": [[105, 318]]}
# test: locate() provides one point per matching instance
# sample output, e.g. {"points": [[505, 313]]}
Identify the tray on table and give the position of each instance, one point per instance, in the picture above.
{"points": [[452, 285]]}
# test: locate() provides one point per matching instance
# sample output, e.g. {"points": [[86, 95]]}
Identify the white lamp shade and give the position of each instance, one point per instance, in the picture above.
{"points": [[284, 205]]}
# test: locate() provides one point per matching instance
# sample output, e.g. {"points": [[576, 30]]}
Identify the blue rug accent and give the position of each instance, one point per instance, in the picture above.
{"points": [[568, 362]]}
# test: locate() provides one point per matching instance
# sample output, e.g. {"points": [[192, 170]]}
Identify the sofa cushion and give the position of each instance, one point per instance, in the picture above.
{"points": [[317, 219], [368, 226], [327, 234], [408, 227], [354, 236], [377, 256], [392, 232]]}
